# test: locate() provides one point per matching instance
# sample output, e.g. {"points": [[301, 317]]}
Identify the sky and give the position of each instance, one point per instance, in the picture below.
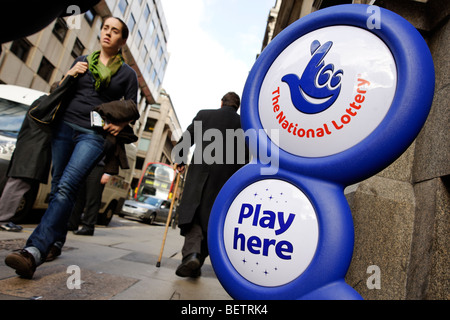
{"points": [[213, 45]]}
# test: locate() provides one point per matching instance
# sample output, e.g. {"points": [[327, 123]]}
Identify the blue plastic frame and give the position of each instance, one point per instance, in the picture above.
{"points": [[323, 179], [335, 243], [405, 118]]}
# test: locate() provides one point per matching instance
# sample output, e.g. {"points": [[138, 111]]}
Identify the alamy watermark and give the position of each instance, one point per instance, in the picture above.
{"points": [[374, 20], [374, 280], [213, 147], [74, 280], [74, 20]]}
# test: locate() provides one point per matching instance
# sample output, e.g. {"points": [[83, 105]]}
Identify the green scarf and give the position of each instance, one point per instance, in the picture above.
{"points": [[103, 74]]}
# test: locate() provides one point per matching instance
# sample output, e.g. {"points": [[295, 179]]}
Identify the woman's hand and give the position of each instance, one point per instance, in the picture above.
{"points": [[79, 68], [114, 129]]}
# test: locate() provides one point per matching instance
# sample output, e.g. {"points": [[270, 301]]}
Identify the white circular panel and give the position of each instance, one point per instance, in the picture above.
{"points": [[345, 73], [271, 232]]}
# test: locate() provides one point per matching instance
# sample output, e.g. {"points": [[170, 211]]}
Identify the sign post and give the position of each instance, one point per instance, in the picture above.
{"points": [[339, 97]]}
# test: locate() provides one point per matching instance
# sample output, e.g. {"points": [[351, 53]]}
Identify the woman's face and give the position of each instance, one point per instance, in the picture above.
{"points": [[111, 35]]}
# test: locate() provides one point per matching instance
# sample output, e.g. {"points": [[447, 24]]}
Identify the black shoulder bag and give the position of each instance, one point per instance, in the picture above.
{"points": [[46, 111]]}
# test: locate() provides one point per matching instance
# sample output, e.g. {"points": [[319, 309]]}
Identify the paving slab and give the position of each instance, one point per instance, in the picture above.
{"points": [[117, 263]]}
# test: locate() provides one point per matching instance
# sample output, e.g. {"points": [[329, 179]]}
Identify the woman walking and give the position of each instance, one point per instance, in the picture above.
{"points": [[77, 146]]}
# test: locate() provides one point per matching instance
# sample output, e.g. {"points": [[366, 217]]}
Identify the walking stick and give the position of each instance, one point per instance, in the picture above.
{"points": [[169, 217]]}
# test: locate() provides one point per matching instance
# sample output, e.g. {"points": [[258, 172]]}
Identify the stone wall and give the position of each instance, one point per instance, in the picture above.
{"points": [[401, 215]]}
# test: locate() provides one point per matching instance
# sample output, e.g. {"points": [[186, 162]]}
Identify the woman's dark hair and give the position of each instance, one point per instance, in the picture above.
{"points": [[231, 99], [125, 31]]}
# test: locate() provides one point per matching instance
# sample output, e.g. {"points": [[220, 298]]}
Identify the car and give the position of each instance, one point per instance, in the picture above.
{"points": [[146, 208], [14, 104]]}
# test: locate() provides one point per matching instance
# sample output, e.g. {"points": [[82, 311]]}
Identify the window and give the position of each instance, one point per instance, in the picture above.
{"points": [[144, 52], [160, 52], [45, 70], [153, 75], [146, 12], [131, 23], [156, 41], [139, 38], [78, 48], [144, 144], [21, 48], [163, 65], [150, 125], [60, 29], [139, 163], [149, 65], [89, 16], [11, 118], [162, 69], [123, 5], [151, 28]]}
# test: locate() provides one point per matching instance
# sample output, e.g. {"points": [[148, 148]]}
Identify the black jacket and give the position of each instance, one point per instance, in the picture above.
{"points": [[204, 180], [32, 157], [116, 112]]}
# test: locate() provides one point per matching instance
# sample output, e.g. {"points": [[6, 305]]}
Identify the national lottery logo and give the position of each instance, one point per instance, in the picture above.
{"points": [[327, 91], [319, 86], [271, 232]]}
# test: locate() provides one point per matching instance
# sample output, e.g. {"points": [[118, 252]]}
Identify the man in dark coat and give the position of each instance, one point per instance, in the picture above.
{"points": [[216, 134], [29, 166]]}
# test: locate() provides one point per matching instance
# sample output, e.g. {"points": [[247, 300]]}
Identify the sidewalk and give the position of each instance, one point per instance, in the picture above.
{"points": [[117, 263]]}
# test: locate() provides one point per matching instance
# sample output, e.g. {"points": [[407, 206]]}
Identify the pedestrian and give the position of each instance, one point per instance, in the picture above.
{"points": [[89, 201], [100, 78], [205, 178], [29, 166]]}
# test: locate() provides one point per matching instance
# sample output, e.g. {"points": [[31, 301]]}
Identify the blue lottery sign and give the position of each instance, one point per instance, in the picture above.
{"points": [[323, 111], [337, 100]]}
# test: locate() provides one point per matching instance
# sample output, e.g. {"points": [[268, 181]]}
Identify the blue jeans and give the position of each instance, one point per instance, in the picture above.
{"points": [[74, 154]]}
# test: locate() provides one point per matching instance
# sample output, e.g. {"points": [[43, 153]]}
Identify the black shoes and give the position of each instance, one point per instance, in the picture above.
{"points": [[190, 266], [23, 262], [84, 232]]}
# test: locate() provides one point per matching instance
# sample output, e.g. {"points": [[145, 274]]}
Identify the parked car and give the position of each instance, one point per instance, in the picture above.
{"points": [[14, 104], [147, 208]]}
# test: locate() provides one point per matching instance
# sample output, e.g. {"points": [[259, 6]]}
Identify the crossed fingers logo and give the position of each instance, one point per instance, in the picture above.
{"points": [[319, 86]]}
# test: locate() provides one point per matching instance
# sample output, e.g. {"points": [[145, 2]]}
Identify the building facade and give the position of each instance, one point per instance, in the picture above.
{"points": [[401, 215], [43, 58]]}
